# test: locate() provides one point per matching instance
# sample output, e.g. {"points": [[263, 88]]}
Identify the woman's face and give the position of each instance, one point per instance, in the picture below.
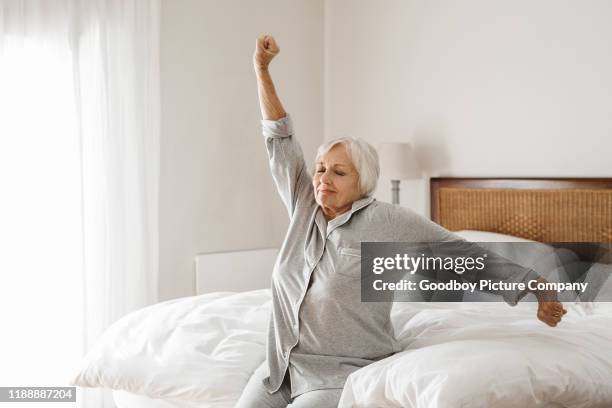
{"points": [[336, 180]]}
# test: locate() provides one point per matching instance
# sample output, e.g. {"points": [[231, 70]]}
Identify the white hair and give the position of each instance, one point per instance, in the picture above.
{"points": [[364, 158]]}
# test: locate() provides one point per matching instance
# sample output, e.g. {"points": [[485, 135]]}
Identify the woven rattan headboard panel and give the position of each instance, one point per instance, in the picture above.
{"points": [[545, 210]]}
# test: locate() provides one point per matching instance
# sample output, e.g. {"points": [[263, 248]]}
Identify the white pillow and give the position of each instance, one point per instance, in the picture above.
{"points": [[199, 348], [542, 258], [485, 236]]}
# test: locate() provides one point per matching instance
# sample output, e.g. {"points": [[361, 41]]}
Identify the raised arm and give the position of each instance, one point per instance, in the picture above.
{"points": [[265, 50], [286, 159]]}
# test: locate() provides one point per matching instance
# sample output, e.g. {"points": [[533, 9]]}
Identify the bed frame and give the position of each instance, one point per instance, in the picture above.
{"points": [[540, 209], [234, 271]]}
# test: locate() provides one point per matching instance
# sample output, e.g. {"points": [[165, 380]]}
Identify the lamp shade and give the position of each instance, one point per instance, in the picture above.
{"points": [[398, 161]]}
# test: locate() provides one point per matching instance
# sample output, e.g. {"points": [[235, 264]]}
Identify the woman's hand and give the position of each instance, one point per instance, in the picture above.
{"points": [[265, 50], [550, 310]]}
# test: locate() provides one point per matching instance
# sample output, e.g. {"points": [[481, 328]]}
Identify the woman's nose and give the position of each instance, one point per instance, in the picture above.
{"points": [[325, 177]]}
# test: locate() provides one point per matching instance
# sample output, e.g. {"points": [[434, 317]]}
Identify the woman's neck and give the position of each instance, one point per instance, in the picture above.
{"points": [[330, 213]]}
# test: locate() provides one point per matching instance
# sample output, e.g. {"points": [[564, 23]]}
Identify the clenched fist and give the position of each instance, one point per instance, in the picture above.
{"points": [[265, 50], [550, 311]]}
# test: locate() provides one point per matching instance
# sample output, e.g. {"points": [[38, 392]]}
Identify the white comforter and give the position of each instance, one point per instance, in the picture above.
{"points": [[198, 349], [204, 348], [491, 355]]}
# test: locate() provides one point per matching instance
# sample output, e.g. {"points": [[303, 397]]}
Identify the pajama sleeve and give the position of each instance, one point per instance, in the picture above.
{"points": [[287, 164], [498, 269]]}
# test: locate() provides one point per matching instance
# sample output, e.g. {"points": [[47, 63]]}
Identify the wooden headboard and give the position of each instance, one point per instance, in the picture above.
{"points": [[545, 210]]}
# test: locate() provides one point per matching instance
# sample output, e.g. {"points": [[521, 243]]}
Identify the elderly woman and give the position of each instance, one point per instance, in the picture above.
{"points": [[320, 331]]}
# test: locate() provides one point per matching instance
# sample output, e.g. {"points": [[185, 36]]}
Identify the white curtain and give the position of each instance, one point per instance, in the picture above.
{"points": [[79, 170]]}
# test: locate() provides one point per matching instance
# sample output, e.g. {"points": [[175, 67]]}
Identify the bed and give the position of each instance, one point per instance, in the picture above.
{"points": [[199, 351]]}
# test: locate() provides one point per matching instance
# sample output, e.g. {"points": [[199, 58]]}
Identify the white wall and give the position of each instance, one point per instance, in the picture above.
{"points": [[216, 192], [481, 87]]}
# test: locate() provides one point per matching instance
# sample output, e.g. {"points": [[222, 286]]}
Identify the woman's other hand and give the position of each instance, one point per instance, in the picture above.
{"points": [[550, 310], [265, 50]]}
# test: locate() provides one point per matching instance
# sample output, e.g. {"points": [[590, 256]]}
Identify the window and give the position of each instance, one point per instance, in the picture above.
{"points": [[40, 214]]}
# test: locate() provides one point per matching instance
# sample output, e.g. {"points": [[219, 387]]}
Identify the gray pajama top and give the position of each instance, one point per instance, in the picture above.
{"points": [[319, 329]]}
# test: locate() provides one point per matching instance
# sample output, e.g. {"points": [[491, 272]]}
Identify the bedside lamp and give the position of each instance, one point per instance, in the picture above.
{"points": [[398, 162]]}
